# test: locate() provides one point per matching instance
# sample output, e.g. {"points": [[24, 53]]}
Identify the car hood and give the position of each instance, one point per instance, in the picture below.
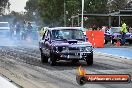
{"points": [[73, 43], [120, 34], [128, 33]]}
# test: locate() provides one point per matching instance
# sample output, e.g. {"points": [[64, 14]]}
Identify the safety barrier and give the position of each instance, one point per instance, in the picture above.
{"points": [[96, 38]]}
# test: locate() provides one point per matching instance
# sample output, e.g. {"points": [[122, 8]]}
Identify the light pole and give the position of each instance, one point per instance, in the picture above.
{"points": [[82, 14], [64, 13], [109, 3]]}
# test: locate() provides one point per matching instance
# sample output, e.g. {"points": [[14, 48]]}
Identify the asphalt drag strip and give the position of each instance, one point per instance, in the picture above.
{"points": [[23, 66]]}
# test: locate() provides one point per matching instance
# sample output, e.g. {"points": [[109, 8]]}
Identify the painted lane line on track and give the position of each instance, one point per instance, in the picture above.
{"points": [[111, 55], [6, 83]]}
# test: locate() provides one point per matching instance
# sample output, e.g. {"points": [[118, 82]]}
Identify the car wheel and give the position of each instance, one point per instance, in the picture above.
{"points": [[112, 41], [52, 59], [105, 41], [44, 59], [89, 59], [130, 42]]}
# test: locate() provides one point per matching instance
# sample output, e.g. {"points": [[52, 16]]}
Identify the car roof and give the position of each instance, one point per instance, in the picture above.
{"points": [[61, 28], [115, 27]]}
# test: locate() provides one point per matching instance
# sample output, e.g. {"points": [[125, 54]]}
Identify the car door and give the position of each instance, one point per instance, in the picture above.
{"points": [[47, 43], [42, 43]]}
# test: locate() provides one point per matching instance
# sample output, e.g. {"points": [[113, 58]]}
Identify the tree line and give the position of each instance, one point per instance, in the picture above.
{"points": [[51, 12]]}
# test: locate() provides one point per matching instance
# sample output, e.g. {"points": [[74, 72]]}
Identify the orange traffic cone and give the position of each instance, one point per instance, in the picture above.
{"points": [[118, 43]]}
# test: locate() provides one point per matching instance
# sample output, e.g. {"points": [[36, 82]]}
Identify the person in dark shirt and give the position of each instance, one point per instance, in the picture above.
{"points": [[29, 30], [18, 28], [11, 31], [94, 27]]}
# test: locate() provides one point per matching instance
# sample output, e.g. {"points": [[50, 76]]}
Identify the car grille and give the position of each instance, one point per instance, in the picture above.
{"points": [[77, 49], [74, 48], [119, 36]]}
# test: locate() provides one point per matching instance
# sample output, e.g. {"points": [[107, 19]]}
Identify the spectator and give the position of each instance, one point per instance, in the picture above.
{"points": [[123, 32], [130, 29], [94, 27], [23, 37], [18, 28], [11, 30], [29, 30]]}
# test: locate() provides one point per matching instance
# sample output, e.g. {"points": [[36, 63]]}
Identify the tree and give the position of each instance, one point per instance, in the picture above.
{"points": [[31, 5], [16, 17], [129, 5], [3, 5], [51, 11], [96, 6], [116, 5]]}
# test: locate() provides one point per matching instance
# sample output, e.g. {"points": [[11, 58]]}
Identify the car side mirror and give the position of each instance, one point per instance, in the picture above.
{"points": [[46, 39], [86, 39]]}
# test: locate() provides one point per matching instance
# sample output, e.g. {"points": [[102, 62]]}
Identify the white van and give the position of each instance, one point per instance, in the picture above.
{"points": [[4, 28]]}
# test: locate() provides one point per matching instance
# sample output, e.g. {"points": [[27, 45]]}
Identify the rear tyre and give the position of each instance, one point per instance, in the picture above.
{"points": [[106, 41], [130, 42], [44, 59], [89, 60], [52, 60], [112, 41]]}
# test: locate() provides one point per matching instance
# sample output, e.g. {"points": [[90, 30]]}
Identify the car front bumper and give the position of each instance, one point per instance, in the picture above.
{"points": [[73, 55]]}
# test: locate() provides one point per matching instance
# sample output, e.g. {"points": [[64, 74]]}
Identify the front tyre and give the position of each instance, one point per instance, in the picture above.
{"points": [[52, 59], [130, 42], [106, 41], [112, 41], [89, 60], [44, 59]]}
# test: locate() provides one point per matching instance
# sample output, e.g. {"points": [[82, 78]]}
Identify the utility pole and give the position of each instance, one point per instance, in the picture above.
{"points": [[82, 14], [64, 13]]}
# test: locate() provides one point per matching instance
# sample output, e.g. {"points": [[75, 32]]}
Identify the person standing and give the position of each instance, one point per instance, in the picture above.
{"points": [[23, 36], [18, 28], [29, 30], [123, 32], [94, 27], [11, 31]]}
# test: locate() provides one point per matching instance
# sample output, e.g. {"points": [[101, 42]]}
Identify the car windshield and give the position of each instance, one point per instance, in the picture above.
{"points": [[4, 25], [67, 34], [115, 30]]}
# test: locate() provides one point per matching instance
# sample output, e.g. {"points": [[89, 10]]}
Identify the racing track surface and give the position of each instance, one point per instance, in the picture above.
{"points": [[22, 65]]}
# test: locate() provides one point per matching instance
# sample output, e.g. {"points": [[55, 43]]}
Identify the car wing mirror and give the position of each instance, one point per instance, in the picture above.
{"points": [[86, 38], [46, 39]]}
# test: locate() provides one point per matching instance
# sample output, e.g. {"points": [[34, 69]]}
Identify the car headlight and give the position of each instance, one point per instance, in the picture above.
{"points": [[60, 49], [89, 48], [65, 48], [55, 48], [115, 36]]}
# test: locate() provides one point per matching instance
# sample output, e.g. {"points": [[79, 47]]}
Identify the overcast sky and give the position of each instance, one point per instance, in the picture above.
{"points": [[17, 5]]}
